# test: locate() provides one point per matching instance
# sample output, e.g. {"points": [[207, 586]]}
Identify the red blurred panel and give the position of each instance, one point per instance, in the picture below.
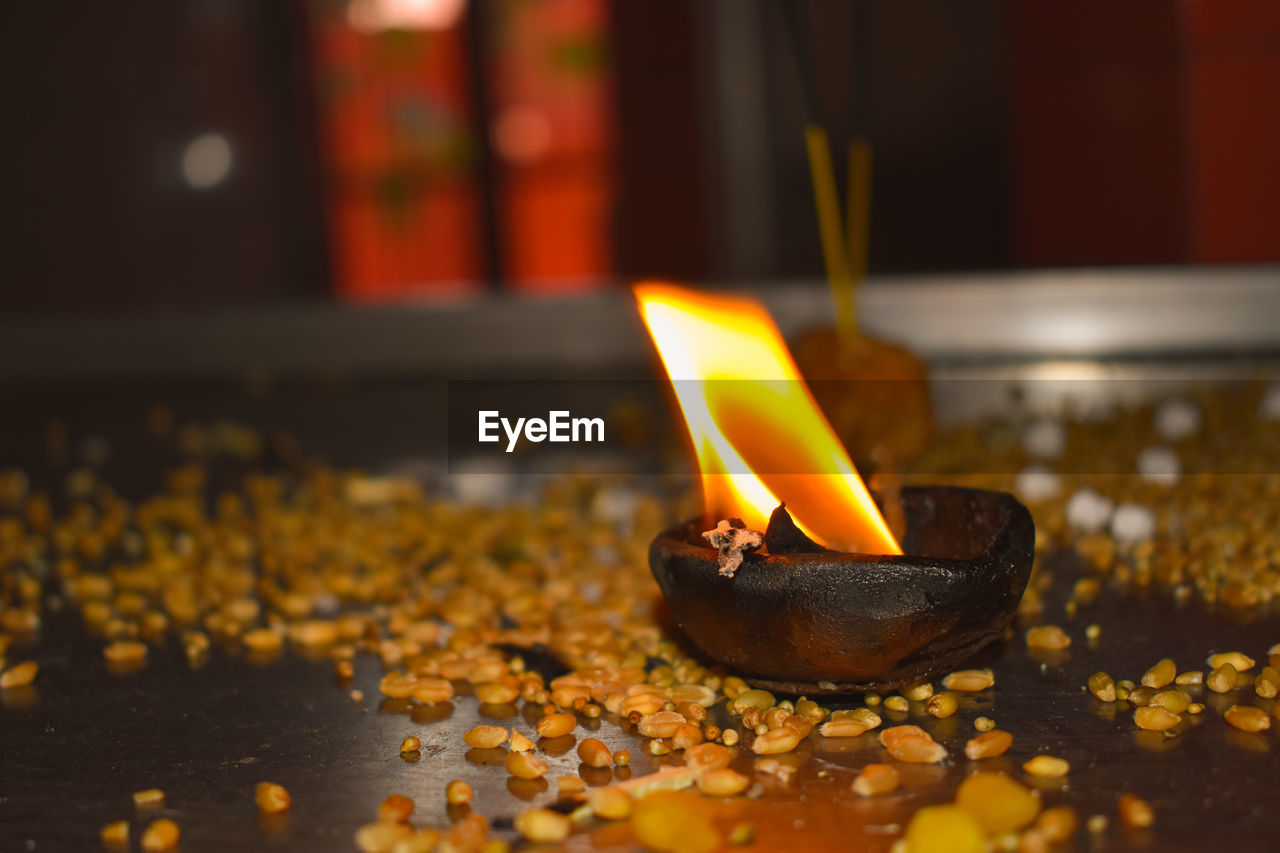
{"points": [[1096, 124], [1216, 25], [553, 135], [558, 230], [399, 148], [1233, 103], [382, 257]]}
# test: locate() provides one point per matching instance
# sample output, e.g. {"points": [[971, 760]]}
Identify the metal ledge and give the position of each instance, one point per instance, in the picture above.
{"points": [[1127, 312]]}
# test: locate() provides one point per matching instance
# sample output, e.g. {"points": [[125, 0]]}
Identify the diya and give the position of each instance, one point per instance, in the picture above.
{"points": [[801, 587]]}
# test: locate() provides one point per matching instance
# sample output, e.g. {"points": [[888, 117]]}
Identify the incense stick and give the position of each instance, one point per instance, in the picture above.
{"points": [[793, 20], [834, 252], [844, 270], [858, 236]]}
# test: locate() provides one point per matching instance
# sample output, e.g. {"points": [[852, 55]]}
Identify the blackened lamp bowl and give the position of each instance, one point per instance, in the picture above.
{"points": [[797, 618]]}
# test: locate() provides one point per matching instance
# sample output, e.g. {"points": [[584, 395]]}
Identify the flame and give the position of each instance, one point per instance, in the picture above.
{"points": [[760, 439]]}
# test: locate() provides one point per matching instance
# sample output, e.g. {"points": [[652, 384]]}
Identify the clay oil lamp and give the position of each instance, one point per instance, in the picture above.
{"points": [[792, 577]]}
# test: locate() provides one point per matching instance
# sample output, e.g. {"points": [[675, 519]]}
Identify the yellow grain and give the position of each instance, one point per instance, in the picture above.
{"points": [[19, 675], [1047, 765], [917, 750], [149, 798], [1240, 661], [458, 792], [381, 836], [1154, 718], [593, 753], [876, 779], [988, 745], [162, 834], [1136, 812], [999, 803], [660, 724], [1223, 678], [1049, 637], [556, 725], [543, 826], [1161, 674], [525, 765], [609, 803], [485, 737], [776, 741], [1247, 719], [722, 782], [115, 834], [125, 652], [945, 829], [396, 808], [969, 680]]}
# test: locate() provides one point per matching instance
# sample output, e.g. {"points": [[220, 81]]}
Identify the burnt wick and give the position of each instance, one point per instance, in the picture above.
{"points": [[732, 539]]}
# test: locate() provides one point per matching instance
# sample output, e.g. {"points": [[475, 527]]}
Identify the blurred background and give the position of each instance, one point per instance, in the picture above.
{"points": [[236, 152]]}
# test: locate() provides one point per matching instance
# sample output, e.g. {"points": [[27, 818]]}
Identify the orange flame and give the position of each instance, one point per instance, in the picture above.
{"points": [[753, 434]]}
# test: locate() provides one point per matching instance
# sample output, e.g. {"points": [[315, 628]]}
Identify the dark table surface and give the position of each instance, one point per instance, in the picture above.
{"points": [[76, 744]]}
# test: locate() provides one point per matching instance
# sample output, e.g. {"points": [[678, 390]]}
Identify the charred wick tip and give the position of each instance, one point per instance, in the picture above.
{"points": [[783, 537]]}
